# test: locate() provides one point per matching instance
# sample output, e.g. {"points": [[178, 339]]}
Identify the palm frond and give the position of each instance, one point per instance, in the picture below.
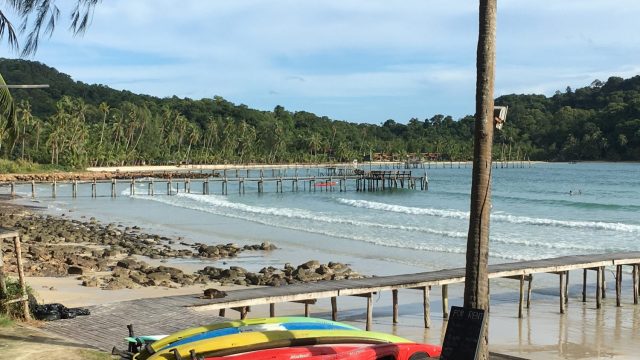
{"points": [[6, 26], [81, 15], [7, 105]]}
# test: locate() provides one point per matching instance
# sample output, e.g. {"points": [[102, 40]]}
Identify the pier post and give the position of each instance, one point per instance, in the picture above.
{"points": [[169, 187], [584, 285], [598, 287], [334, 307], [566, 287], [445, 302], [562, 292], [132, 187], [13, 189], [635, 284], [93, 189], [618, 284], [604, 283], [187, 186], [529, 291], [74, 189], [521, 299], [426, 302], [394, 294], [149, 188], [369, 311], [113, 188], [53, 189]]}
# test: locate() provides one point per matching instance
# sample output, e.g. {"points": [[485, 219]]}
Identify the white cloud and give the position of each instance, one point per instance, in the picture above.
{"points": [[358, 59]]}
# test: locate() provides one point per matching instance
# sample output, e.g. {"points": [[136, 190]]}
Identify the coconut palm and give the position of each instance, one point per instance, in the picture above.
{"points": [[476, 288]]}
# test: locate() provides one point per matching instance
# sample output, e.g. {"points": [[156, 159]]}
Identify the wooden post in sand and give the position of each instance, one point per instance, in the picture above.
{"points": [[113, 188], [394, 295], [426, 302], [521, 299], [334, 308], [562, 292], [598, 287], [604, 283], [3, 284], [272, 310], [584, 285], [635, 284], [529, 291], [23, 286], [618, 284], [445, 302]]}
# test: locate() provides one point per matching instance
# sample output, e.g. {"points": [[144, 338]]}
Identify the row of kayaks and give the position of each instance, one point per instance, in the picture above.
{"points": [[277, 338]]}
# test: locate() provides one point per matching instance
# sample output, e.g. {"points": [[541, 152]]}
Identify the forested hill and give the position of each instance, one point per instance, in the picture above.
{"points": [[76, 124]]}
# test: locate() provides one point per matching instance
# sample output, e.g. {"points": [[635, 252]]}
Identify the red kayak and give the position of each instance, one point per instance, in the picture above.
{"points": [[403, 351]]}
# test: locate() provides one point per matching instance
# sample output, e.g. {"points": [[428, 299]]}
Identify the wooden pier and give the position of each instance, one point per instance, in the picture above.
{"points": [[521, 271], [106, 326], [332, 181]]}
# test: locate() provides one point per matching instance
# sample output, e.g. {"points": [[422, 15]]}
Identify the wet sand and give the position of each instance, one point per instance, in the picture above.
{"points": [[583, 332]]}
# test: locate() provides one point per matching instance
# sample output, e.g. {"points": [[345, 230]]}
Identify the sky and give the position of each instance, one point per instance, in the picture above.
{"points": [[353, 60]]}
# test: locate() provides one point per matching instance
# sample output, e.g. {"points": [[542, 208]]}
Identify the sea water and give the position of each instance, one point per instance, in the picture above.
{"points": [[538, 211]]}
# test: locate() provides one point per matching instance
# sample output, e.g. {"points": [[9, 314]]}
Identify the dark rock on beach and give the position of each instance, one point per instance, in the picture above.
{"points": [[103, 255], [270, 276]]}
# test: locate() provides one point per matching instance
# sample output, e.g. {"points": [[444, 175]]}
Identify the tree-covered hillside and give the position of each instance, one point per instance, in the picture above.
{"points": [[75, 124]]}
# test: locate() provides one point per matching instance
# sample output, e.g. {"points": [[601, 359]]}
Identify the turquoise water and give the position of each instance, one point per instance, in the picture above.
{"points": [[534, 216]]}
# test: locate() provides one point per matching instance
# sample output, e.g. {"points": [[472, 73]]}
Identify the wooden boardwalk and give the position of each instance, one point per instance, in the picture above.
{"points": [[106, 326], [522, 271]]}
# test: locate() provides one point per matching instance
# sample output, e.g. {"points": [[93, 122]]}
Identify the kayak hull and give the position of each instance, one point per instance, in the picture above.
{"points": [[403, 351]]}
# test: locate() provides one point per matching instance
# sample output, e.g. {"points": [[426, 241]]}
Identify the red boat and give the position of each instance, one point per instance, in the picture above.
{"points": [[403, 351], [326, 183]]}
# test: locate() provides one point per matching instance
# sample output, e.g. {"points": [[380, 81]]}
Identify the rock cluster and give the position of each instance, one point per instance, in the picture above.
{"points": [[58, 246], [270, 276], [55, 246], [130, 273]]}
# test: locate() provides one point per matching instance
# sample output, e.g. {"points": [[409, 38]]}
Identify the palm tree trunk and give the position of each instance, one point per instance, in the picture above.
{"points": [[476, 289]]}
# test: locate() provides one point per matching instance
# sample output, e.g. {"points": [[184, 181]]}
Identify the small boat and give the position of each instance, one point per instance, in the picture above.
{"points": [[253, 341], [326, 183], [403, 351], [150, 349]]}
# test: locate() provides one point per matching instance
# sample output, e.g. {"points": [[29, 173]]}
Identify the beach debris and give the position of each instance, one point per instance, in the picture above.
{"points": [[50, 312], [212, 293]]}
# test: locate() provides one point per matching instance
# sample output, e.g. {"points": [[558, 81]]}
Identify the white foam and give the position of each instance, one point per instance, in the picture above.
{"points": [[513, 219]]}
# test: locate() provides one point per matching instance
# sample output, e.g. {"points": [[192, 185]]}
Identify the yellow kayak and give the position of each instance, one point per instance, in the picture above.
{"points": [[150, 349], [252, 341]]}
